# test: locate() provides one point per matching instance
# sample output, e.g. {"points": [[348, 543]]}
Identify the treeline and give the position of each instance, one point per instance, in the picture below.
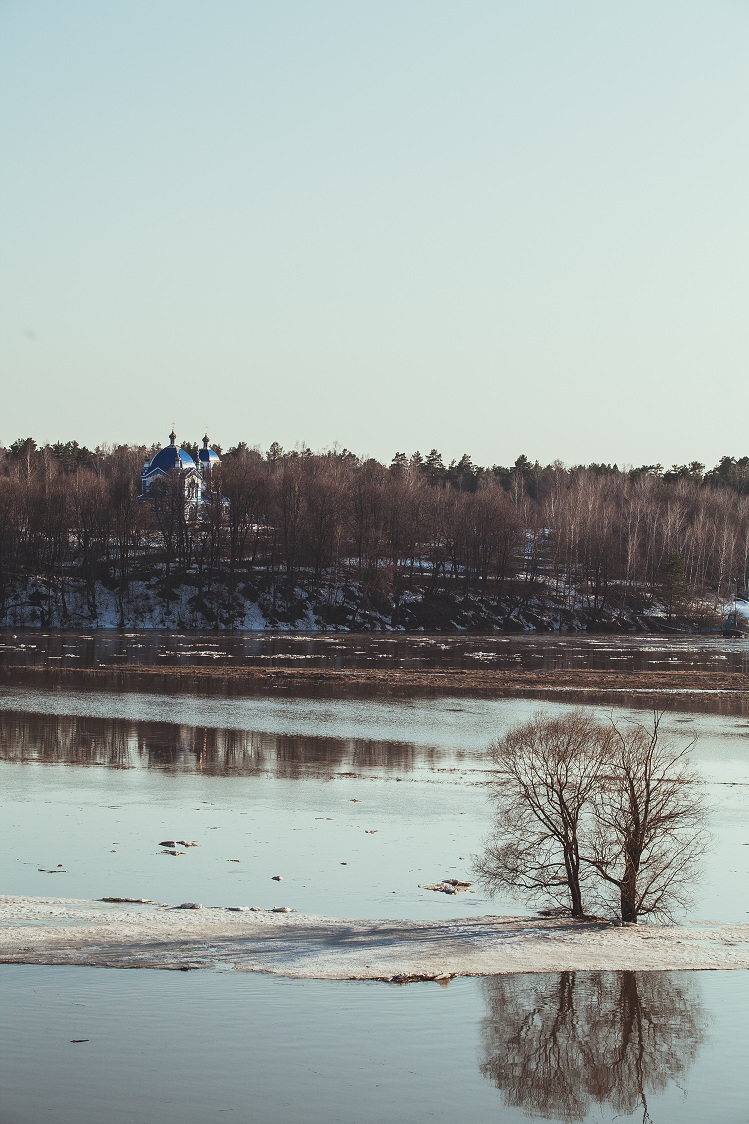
{"points": [[596, 537]]}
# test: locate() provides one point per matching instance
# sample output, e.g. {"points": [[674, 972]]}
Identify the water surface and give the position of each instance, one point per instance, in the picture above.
{"points": [[355, 802], [380, 650], [596, 1046], [91, 784]]}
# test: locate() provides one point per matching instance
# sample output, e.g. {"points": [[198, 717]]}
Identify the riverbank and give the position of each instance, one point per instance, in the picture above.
{"points": [[152, 935], [339, 604]]}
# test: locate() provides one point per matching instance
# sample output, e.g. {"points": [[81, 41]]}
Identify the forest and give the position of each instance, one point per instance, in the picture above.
{"points": [[332, 540]]}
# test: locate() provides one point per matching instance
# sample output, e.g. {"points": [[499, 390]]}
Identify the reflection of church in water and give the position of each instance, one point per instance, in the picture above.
{"points": [[194, 477]]}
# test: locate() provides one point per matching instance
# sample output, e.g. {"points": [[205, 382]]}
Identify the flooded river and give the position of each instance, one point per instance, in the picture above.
{"points": [[86, 1045], [379, 650], [355, 803]]}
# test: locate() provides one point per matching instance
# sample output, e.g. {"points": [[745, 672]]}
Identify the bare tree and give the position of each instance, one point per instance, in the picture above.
{"points": [[588, 810], [547, 774], [649, 823], [169, 513], [126, 518], [244, 482], [91, 521], [10, 535]]}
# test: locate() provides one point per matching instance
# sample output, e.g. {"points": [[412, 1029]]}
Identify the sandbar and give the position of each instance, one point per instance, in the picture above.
{"points": [[676, 689], [35, 930]]}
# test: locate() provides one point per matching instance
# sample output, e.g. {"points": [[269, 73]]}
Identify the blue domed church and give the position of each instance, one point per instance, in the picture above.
{"points": [[193, 477], [208, 459]]}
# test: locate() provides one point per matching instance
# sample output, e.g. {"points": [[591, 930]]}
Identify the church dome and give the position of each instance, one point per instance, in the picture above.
{"points": [[207, 457], [171, 457], [181, 467]]}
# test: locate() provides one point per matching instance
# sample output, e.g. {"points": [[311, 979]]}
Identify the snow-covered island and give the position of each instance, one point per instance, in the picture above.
{"points": [[115, 934]]}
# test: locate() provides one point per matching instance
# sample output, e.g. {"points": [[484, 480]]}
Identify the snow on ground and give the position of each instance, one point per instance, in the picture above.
{"points": [[69, 931], [742, 609], [336, 604]]}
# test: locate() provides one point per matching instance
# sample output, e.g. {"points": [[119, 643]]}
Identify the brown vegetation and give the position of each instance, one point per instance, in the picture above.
{"points": [[363, 538], [650, 687]]}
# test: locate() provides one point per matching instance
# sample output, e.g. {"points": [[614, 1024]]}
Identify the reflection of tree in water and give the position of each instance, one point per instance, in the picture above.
{"points": [[62, 739], [559, 1044], [121, 743]]}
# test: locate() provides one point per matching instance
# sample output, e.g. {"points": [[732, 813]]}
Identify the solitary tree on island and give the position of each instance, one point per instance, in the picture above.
{"points": [[593, 814], [648, 825], [546, 775]]}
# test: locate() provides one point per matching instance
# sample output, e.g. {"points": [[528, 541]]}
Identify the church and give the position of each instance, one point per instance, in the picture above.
{"points": [[194, 478]]}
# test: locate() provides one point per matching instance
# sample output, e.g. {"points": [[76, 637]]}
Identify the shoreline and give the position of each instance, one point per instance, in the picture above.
{"points": [[35, 930], [252, 679], [675, 688]]}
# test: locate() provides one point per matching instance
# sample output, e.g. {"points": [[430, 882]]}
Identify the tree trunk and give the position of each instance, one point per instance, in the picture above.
{"points": [[628, 892], [573, 881]]}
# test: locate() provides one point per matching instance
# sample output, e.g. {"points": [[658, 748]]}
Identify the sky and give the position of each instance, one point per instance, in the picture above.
{"points": [[488, 226]]}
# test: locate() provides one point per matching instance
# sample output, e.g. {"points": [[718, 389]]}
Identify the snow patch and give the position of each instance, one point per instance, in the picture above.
{"points": [[127, 935]]}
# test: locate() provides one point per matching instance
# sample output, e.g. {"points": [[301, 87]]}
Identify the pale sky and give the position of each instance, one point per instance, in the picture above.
{"points": [[489, 226]]}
